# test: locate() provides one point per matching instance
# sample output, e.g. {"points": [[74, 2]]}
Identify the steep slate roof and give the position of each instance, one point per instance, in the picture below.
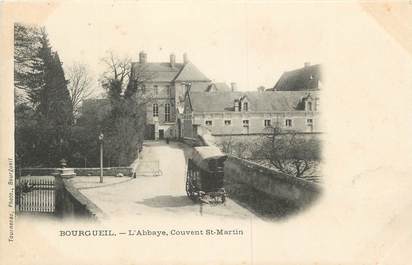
{"points": [[189, 72], [258, 101], [220, 87], [163, 72], [306, 78]]}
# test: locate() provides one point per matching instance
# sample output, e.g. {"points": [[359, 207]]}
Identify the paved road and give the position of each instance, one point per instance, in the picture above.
{"points": [[147, 195]]}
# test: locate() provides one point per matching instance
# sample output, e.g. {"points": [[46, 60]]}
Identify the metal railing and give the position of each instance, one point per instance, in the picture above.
{"points": [[36, 194]]}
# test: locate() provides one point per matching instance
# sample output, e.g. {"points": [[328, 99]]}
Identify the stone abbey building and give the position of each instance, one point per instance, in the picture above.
{"points": [[167, 86], [183, 99], [291, 105]]}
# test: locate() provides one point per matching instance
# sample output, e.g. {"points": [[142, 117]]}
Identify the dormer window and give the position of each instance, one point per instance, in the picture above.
{"points": [[237, 105], [308, 103], [245, 106], [309, 106]]}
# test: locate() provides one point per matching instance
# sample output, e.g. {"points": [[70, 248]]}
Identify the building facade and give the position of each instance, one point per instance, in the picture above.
{"points": [[165, 84], [249, 113]]}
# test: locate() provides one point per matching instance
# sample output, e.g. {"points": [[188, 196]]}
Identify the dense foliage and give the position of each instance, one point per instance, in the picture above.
{"points": [[46, 103], [43, 110]]}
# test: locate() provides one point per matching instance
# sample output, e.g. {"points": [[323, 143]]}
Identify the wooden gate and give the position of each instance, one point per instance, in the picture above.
{"points": [[36, 194]]}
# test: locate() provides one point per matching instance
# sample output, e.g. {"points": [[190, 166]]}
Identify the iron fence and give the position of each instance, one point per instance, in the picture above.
{"points": [[36, 194]]}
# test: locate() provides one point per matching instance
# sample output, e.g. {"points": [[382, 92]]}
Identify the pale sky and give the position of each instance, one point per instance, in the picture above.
{"points": [[250, 44]]}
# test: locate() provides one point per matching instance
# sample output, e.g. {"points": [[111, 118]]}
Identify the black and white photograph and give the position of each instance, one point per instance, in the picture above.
{"points": [[206, 132]]}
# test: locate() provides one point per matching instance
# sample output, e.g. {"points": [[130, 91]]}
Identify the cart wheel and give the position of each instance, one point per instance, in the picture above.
{"points": [[223, 198], [189, 189]]}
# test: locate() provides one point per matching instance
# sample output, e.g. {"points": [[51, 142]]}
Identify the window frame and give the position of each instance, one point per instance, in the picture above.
{"points": [[155, 109], [167, 112], [227, 122], [290, 121], [269, 124], [247, 106], [208, 121]]}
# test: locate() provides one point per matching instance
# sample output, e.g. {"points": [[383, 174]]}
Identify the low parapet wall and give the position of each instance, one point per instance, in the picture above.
{"points": [[70, 203], [276, 184], [107, 171]]}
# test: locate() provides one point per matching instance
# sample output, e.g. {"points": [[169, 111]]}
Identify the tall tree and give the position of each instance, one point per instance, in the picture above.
{"points": [[80, 84], [39, 73], [125, 89]]}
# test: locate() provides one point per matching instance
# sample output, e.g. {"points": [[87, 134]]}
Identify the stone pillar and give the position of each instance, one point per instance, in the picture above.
{"points": [[60, 194]]}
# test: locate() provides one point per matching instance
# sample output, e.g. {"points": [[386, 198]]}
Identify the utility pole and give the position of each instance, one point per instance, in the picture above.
{"points": [[101, 156]]}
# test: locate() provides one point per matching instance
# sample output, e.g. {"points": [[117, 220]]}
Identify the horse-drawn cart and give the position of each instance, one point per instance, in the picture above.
{"points": [[205, 175]]}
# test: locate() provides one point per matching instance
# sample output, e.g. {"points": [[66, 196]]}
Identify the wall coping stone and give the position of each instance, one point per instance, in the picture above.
{"points": [[90, 207], [275, 173]]}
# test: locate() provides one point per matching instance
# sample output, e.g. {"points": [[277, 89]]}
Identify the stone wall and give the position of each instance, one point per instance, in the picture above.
{"points": [[276, 184], [263, 189], [107, 171], [70, 203], [255, 138]]}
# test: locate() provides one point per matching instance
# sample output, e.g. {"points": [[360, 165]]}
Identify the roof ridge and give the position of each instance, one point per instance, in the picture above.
{"points": [[178, 73]]}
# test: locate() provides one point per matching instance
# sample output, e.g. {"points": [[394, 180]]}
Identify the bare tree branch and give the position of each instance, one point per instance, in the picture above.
{"points": [[80, 84]]}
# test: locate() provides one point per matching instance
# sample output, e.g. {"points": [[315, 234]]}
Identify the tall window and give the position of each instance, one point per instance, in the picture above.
{"points": [[169, 91], [155, 110], [167, 112], [288, 123], [208, 123], [309, 106], [267, 123], [245, 106], [155, 90], [309, 123]]}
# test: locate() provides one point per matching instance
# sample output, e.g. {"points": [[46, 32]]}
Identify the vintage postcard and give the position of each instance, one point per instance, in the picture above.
{"points": [[205, 132]]}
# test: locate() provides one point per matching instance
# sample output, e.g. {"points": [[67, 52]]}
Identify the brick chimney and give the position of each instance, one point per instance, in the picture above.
{"points": [[306, 64], [261, 89], [233, 86], [142, 57], [185, 58], [172, 60]]}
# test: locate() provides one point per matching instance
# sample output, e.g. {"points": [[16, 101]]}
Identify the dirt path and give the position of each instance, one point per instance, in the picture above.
{"points": [[160, 195]]}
